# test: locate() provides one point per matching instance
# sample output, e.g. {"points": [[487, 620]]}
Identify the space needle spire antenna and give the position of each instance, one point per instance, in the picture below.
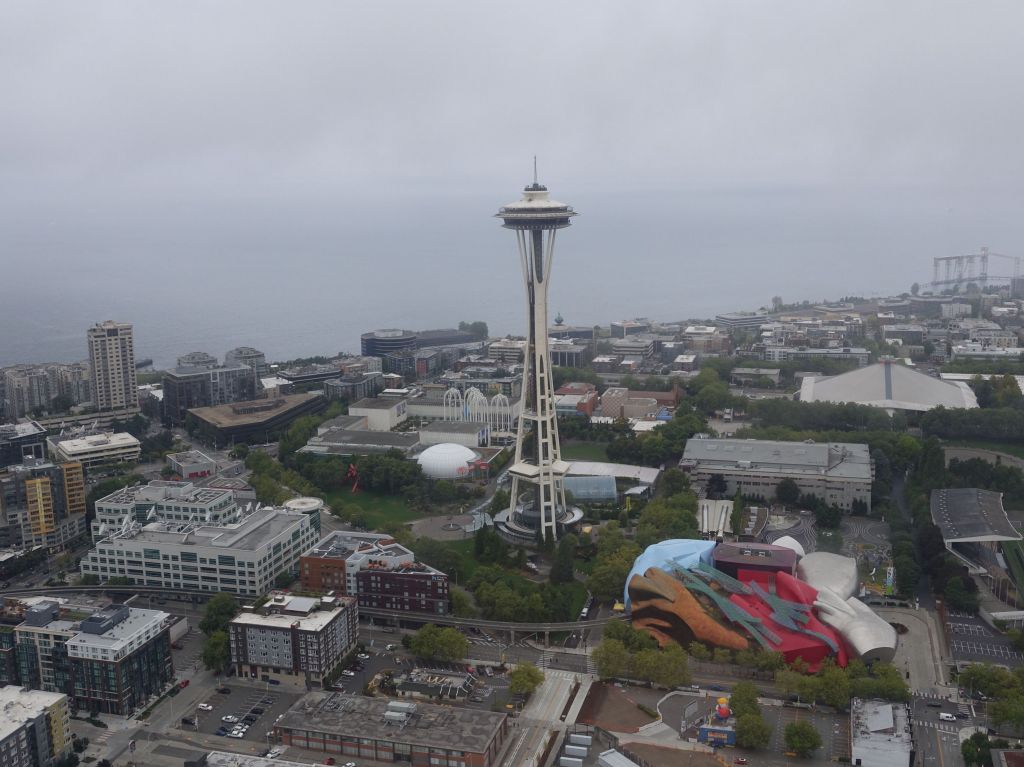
{"points": [[538, 471]]}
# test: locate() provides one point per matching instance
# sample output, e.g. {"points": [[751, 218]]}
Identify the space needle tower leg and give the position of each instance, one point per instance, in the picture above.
{"points": [[538, 469]]}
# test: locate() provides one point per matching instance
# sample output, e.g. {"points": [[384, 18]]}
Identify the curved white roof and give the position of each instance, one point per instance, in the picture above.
{"points": [[446, 461], [889, 385], [789, 542]]}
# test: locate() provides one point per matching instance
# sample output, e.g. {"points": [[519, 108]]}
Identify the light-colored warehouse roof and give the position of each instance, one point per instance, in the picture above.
{"points": [[835, 459], [889, 385]]}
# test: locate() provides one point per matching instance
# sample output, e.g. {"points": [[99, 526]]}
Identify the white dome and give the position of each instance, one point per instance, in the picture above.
{"points": [[446, 461]]}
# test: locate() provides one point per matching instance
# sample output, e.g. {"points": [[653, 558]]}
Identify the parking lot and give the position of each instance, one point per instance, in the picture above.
{"points": [[971, 639], [256, 707], [833, 728]]}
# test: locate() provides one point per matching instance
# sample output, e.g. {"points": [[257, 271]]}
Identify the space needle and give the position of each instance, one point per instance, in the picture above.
{"points": [[537, 507]]}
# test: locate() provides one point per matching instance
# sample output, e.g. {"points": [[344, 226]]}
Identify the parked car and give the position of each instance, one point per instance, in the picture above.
{"points": [[346, 672], [221, 731], [249, 719], [256, 711], [267, 701], [236, 734], [274, 753], [740, 760], [363, 656], [329, 760], [188, 721], [273, 681], [391, 647], [205, 707], [183, 683], [229, 718], [224, 690]]}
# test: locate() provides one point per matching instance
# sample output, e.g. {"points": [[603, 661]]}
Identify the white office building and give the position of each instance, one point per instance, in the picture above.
{"points": [[839, 473], [97, 449], [242, 557], [163, 501]]}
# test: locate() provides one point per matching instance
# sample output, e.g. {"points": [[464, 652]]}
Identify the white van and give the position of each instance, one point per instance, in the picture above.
{"points": [[946, 717]]}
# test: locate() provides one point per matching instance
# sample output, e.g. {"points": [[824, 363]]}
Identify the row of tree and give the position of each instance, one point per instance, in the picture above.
{"points": [[1004, 688]]}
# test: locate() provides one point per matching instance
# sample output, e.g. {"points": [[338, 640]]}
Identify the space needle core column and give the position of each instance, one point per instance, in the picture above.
{"points": [[538, 496]]}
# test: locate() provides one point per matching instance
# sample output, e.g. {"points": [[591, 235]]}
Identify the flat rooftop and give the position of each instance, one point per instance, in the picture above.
{"points": [[967, 515], [342, 545], [20, 704], [457, 427], [190, 456], [226, 759], [165, 490], [462, 729], [20, 429], [835, 459], [248, 535], [880, 727], [226, 416], [97, 442], [376, 403], [120, 633], [315, 620]]}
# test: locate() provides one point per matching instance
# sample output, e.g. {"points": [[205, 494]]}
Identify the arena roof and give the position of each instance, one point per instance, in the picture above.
{"points": [[889, 385], [969, 515]]}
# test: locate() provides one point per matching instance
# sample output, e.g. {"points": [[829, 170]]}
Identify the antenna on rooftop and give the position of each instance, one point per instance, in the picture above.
{"points": [[535, 169]]}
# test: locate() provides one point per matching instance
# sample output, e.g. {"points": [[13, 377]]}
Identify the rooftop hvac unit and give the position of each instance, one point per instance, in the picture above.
{"points": [[395, 717], [401, 706]]}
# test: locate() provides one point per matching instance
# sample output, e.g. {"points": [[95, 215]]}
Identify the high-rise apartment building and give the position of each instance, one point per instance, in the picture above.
{"points": [[120, 657], [298, 636], [43, 503], [112, 361]]}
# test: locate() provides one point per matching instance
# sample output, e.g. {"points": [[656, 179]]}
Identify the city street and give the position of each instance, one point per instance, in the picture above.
{"points": [[938, 742]]}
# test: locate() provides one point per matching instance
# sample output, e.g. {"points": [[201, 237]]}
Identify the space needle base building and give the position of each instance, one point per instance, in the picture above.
{"points": [[537, 508]]}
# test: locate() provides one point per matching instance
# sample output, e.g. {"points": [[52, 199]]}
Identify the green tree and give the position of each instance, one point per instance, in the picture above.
{"points": [[218, 614], [462, 605], [743, 699], [90, 579], [673, 668], [524, 679], [834, 686], [787, 491], [752, 731], [722, 655], [608, 578], [217, 652], [434, 643], [959, 598], [738, 510], [563, 568], [699, 651], [802, 738], [611, 658]]}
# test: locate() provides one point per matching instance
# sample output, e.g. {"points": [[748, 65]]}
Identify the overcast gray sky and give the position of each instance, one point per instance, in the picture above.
{"points": [[143, 126], [223, 99]]}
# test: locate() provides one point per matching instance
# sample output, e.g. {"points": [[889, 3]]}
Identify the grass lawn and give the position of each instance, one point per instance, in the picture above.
{"points": [[376, 508], [1009, 448], [584, 451]]}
